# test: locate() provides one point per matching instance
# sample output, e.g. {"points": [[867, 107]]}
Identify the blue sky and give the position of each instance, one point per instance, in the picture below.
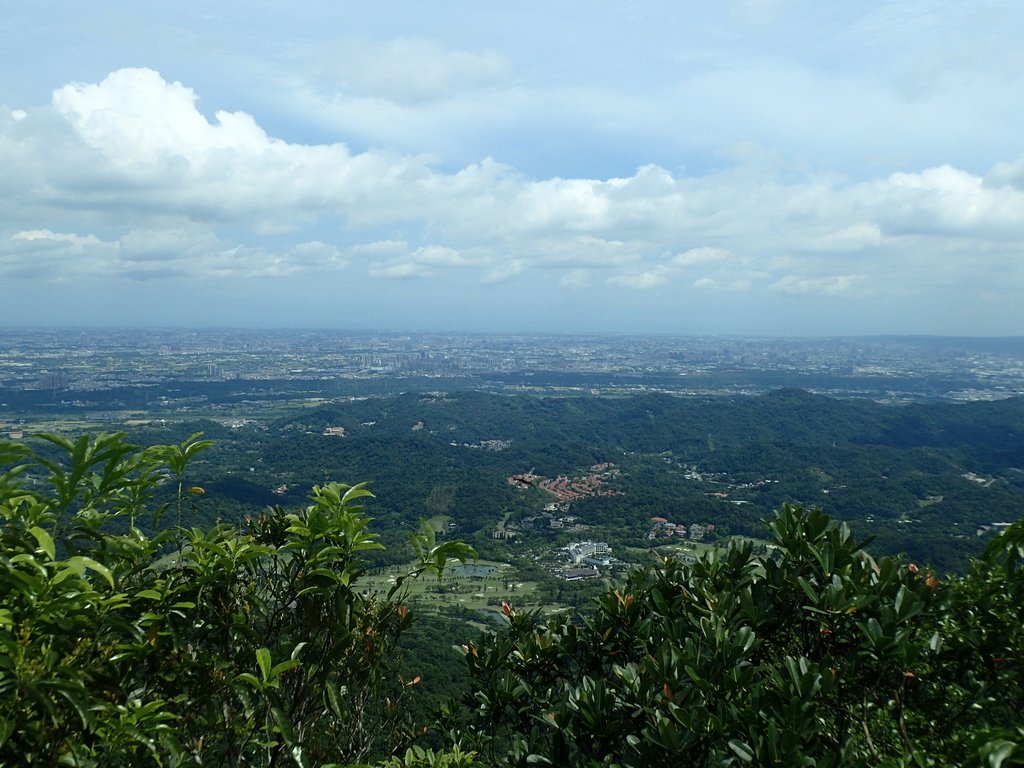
{"points": [[759, 167]]}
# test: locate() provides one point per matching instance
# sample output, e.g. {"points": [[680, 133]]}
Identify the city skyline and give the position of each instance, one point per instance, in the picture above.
{"points": [[760, 167]]}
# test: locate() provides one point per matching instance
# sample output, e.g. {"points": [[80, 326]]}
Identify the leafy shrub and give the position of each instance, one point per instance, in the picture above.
{"points": [[816, 654], [248, 645]]}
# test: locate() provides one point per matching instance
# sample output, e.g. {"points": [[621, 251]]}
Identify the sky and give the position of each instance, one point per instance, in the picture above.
{"points": [[757, 167]]}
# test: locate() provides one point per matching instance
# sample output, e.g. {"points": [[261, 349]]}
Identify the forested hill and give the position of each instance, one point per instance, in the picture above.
{"points": [[656, 422], [923, 478]]}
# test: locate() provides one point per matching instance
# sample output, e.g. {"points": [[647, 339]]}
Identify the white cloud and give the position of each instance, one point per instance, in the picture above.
{"points": [[503, 272], [152, 118], [1008, 173], [127, 178], [54, 256], [167, 244], [640, 281], [45, 235], [712, 284], [395, 259], [551, 250], [160, 153], [577, 279], [700, 256], [672, 267], [316, 255], [855, 237], [379, 249], [819, 286], [401, 271], [947, 200], [439, 255], [563, 204], [156, 254], [408, 70]]}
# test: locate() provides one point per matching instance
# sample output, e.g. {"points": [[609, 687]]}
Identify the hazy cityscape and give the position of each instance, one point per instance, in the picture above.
{"points": [[93, 360], [71, 369]]}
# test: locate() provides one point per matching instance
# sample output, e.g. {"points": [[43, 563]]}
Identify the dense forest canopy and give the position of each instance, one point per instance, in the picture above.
{"points": [[921, 479]]}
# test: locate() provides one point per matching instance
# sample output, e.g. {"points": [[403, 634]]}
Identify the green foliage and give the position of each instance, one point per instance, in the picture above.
{"points": [[816, 655], [418, 757], [246, 645], [254, 644]]}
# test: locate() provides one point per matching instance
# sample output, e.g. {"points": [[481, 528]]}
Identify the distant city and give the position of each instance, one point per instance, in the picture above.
{"points": [[74, 367]]}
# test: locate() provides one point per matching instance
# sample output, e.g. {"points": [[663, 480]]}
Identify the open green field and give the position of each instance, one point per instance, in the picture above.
{"points": [[480, 585], [75, 425]]}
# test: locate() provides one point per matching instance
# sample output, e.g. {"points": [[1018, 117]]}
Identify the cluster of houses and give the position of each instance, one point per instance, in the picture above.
{"points": [[589, 552], [486, 445], [662, 527], [549, 518], [691, 472], [586, 557], [569, 489]]}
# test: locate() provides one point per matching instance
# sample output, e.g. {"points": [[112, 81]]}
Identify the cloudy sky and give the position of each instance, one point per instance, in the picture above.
{"points": [[743, 166]]}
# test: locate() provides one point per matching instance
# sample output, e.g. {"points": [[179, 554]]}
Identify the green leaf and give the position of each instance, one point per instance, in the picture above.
{"points": [[284, 724], [250, 679], [6, 729], [84, 712], [283, 667], [742, 750], [334, 700], [299, 757], [77, 566], [79, 563], [998, 751], [44, 540], [263, 659], [356, 492]]}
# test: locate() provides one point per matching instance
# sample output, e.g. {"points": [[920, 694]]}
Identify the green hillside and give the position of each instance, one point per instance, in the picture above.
{"points": [[923, 479]]}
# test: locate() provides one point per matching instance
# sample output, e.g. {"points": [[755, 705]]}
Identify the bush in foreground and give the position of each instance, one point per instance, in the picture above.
{"points": [[816, 654], [239, 645]]}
